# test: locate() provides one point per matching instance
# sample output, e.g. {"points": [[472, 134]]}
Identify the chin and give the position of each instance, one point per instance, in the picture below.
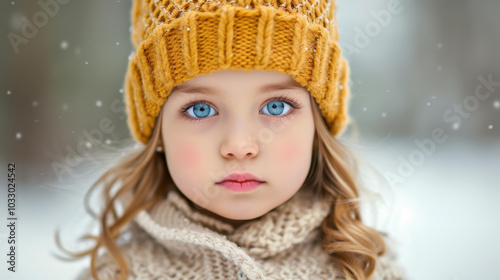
{"points": [[245, 216]]}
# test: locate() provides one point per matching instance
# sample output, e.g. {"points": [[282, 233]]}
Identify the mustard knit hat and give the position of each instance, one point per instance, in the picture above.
{"points": [[176, 40]]}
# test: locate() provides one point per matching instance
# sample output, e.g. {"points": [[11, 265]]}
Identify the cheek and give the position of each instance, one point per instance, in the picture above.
{"points": [[292, 163], [289, 152], [187, 157], [184, 157]]}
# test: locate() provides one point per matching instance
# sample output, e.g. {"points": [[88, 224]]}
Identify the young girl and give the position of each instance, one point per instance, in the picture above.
{"points": [[241, 176]]}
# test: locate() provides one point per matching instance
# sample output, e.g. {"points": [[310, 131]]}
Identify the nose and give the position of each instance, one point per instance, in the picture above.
{"points": [[239, 145]]}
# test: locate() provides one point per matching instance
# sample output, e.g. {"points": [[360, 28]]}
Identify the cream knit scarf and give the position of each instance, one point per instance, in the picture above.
{"points": [[293, 222], [175, 225]]}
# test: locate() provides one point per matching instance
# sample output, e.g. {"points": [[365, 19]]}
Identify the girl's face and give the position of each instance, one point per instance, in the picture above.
{"points": [[225, 122]]}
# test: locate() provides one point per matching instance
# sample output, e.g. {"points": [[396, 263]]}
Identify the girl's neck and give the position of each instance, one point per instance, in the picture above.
{"points": [[234, 223]]}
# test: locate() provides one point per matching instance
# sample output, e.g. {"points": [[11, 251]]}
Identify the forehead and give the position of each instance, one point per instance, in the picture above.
{"points": [[218, 83]]}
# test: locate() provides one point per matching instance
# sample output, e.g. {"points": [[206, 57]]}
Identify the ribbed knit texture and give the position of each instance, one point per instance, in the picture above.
{"points": [[176, 40], [174, 241]]}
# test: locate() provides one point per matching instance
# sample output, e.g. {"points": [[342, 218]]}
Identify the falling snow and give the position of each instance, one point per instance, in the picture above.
{"points": [[121, 90], [384, 114], [88, 144], [455, 126], [98, 103], [107, 141], [35, 103], [428, 104], [440, 45], [64, 45], [65, 107], [496, 104], [86, 62], [8, 92], [19, 135], [490, 126], [364, 109], [117, 43]]}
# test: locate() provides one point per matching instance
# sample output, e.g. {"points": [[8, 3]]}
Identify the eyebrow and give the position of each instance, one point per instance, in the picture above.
{"points": [[186, 88]]}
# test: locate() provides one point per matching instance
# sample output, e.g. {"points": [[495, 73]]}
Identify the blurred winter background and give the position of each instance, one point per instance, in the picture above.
{"points": [[425, 97]]}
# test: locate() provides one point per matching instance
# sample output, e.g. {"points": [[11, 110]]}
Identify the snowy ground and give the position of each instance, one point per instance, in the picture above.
{"points": [[444, 216], [446, 212]]}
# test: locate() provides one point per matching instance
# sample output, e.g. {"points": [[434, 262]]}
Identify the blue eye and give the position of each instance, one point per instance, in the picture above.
{"points": [[200, 110], [276, 107]]}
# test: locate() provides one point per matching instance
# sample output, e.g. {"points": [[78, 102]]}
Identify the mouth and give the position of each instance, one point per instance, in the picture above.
{"points": [[240, 182], [241, 177], [236, 186]]}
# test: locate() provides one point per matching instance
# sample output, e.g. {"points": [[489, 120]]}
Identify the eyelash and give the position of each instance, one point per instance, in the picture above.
{"points": [[293, 103]]}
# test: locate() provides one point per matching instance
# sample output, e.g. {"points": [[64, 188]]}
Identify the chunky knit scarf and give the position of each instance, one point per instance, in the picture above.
{"points": [[174, 241]]}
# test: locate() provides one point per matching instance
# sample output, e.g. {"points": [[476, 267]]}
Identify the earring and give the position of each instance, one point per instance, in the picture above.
{"points": [[159, 149]]}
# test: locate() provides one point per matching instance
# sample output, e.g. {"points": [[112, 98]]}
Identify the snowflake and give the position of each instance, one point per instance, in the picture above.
{"points": [[496, 104]]}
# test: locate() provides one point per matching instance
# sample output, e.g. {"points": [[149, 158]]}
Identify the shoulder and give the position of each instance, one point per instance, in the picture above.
{"points": [[140, 251]]}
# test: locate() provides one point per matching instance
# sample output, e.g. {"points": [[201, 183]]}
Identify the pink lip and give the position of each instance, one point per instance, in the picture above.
{"points": [[240, 182], [240, 177], [240, 187]]}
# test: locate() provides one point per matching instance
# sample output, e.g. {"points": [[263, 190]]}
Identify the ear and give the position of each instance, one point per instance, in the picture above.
{"points": [[160, 139], [159, 146], [159, 143]]}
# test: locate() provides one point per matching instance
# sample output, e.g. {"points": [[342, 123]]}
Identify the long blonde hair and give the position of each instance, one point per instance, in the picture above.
{"points": [[353, 246]]}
